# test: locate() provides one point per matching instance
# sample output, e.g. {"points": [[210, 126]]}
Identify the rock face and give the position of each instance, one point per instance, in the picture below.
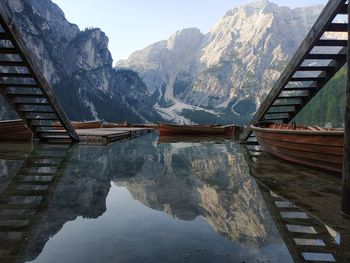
{"points": [[78, 65], [222, 75]]}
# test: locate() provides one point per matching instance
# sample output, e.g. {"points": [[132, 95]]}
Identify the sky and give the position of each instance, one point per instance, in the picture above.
{"points": [[134, 24]]}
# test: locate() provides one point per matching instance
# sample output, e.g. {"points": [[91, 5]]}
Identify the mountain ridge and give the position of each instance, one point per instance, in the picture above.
{"points": [[225, 76]]}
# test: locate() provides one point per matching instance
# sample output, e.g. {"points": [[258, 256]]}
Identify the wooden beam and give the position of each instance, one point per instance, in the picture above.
{"points": [[346, 160], [325, 19]]}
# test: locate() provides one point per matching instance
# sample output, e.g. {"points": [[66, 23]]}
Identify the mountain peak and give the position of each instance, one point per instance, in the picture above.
{"points": [[253, 7], [185, 37]]}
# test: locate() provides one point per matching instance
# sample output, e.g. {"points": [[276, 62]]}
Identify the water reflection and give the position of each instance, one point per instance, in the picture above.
{"points": [[143, 201], [310, 222]]}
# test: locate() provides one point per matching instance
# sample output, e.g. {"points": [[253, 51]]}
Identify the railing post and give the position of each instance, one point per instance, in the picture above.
{"points": [[346, 161]]}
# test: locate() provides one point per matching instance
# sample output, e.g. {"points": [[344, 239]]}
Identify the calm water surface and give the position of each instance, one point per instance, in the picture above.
{"points": [[146, 201]]}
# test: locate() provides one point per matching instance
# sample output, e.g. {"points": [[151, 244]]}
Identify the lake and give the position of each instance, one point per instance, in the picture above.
{"points": [[147, 200]]}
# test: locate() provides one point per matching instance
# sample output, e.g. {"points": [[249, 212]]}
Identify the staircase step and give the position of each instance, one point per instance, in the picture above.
{"points": [[19, 85], [16, 75], [344, 10], [276, 119], [26, 95], [8, 51], [332, 43], [5, 36], [41, 125], [282, 112], [292, 97], [36, 111], [286, 105], [55, 137], [316, 68], [307, 78], [12, 64], [300, 88], [42, 118], [317, 249], [52, 131], [338, 27], [33, 103], [32, 164], [326, 56]]}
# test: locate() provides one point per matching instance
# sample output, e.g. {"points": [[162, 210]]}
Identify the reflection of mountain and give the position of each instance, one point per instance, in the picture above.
{"points": [[208, 180], [83, 188], [184, 180]]}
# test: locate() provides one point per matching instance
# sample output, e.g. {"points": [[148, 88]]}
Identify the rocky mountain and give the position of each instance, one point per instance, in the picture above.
{"points": [[223, 75], [78, 65]]}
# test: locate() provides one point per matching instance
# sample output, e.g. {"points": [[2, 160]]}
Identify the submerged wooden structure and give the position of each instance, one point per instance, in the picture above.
{"points": [[24, 87], [316, 61]]}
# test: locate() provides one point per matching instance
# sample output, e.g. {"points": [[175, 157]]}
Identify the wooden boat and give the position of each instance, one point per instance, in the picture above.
{"points": [[15, 130], [313, 146], [125, 124], [115, 125], [80, 125], [196, 130], [190, 139]]}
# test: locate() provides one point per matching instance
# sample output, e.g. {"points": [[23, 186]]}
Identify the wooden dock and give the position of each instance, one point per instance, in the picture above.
{"points": [[109, 135]]}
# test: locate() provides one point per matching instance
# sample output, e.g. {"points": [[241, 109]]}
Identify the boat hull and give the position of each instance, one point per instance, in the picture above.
{"points": [[195, 130], [15, 130], [318, 149]]}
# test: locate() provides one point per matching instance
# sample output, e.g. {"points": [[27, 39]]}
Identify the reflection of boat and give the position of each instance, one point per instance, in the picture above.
{"points": [[15, 150], [196, 130], [81, 125], [15, 130], [313, 146], [190, 139]]}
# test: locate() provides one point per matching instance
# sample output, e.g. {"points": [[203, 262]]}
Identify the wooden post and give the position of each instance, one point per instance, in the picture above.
{"points": [[346, 161]]}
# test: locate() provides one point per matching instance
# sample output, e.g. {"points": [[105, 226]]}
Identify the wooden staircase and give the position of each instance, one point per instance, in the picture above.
{"points": [[24, 87], [319, 57]]}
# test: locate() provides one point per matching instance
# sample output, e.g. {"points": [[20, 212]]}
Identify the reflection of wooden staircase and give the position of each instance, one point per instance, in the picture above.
{"points": [[312, 66], [24, 87], [307, 239], [27, 195]]}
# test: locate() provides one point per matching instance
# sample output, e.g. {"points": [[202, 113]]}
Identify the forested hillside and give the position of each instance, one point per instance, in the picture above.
{"points": [[328, 105]]}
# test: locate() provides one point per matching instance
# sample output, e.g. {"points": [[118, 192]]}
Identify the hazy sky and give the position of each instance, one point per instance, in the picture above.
{"points": [[134, 24]]}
